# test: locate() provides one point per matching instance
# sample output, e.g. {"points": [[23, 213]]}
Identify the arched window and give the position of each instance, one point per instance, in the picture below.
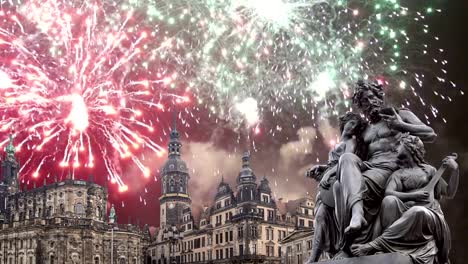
{"points": [[171, 185], [80, 210], [62, 208], [98, 212]]}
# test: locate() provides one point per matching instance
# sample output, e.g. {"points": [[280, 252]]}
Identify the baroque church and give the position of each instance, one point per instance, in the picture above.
{"points": [[244, 224], [61, 222]]}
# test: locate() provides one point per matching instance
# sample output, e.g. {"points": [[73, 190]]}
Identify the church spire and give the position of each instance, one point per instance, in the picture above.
{"points": [[175, 121], [10, 148], [174, 142], [246, 159]]}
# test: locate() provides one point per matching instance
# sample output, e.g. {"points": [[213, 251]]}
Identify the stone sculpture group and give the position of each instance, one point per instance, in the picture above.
{"points": [[376, 193]]}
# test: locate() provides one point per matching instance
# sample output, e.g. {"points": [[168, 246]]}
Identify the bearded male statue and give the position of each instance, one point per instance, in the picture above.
{"points": [[361, 183]]}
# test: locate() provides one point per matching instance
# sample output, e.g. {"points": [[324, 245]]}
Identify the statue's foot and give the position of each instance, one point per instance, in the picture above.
{"points": [[357, 222], [362, 250]]}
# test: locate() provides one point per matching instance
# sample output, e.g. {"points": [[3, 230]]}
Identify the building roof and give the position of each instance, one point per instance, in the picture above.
{"points": [[298, 234], [224, 189], [264, 186], [174, 165]]}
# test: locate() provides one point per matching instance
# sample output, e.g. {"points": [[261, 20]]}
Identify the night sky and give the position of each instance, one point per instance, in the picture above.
{"points": [[453, 30]]}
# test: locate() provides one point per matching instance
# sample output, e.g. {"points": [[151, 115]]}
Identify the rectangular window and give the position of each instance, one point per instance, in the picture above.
{"points": [[231, 236], [301, 222], [231, 252], [217, 239], [220, 253], [241, 250], [221, 238], [309, 244], [227, 252], [217, 254], [271, 215], [203, 242]]}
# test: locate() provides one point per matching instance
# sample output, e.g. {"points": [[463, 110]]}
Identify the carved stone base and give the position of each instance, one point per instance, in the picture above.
{"points": [[390, 258]]}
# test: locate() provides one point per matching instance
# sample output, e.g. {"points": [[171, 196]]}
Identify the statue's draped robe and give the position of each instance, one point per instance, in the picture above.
{"points": [[375, 173], [419, 231]]}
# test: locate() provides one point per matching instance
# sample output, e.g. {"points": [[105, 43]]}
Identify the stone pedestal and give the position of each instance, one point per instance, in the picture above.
{"points": [[390, 258]]}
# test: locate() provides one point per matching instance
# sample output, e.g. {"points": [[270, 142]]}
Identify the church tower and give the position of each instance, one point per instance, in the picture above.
{"points": [[9, 181], [10, 167], [246, 181], [174, 182]]}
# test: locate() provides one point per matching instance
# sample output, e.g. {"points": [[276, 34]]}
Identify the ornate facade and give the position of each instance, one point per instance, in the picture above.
{"points": [[61, 222], [243, 225]]}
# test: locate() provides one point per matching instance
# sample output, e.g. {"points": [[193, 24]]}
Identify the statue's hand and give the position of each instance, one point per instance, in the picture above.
{"points": [[450, 162], [393, 121], [315, 171], [421, 196]]}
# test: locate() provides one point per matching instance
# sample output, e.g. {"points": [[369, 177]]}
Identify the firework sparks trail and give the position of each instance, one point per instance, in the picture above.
{"points": [[76, 86], [87, 73]]}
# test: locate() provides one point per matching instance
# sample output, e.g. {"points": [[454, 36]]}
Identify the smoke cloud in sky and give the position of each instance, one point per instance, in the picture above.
{"points": [[284, 165], [284, 168]]}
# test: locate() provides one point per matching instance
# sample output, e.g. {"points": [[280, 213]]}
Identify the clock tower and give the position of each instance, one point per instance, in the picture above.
{"points": [[174, 182]]}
